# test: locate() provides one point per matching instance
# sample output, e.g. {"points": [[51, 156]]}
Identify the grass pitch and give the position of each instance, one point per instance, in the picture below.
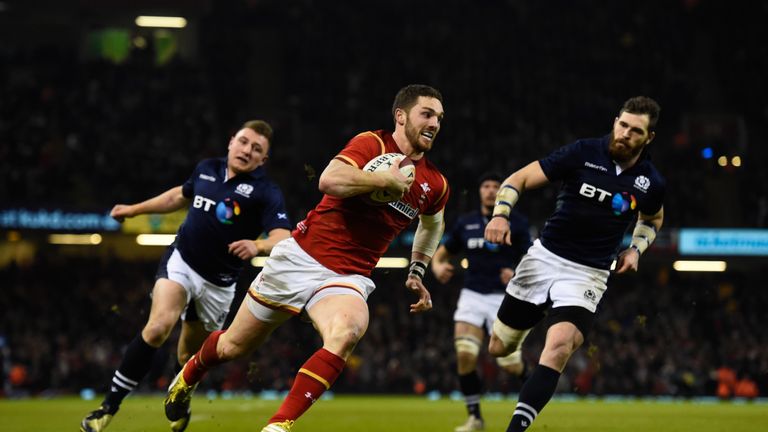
{"points": [[392, 413]]}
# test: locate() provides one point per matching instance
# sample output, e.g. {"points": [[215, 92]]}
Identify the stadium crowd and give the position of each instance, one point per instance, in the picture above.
{"points": [[658, 333], [76, 133]]}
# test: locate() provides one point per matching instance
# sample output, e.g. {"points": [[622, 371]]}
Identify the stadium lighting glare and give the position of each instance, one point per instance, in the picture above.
{"points": [[155, 239], [161, 21], [700, 266], [464, 263], [75, 239], [722, 161], [736, 161]]}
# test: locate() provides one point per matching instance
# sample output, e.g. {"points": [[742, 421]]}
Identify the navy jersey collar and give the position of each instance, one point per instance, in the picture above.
{"points": [[259, 172]]}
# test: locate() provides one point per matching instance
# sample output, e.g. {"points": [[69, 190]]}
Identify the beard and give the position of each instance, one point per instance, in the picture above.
{"points": [[623, 153], [414, 137]]}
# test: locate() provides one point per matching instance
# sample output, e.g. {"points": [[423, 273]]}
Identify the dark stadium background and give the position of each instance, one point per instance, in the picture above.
{"points": [[95, 110]]}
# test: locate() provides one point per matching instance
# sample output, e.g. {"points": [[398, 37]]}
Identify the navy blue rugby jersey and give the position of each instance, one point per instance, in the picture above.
{"points": [[486, 259], [222, 212], [596, 206]]}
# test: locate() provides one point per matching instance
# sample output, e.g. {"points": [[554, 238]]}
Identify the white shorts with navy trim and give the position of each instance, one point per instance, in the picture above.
{"points": [[478, 309], [212, 302], [292, 281], [542, 275]]}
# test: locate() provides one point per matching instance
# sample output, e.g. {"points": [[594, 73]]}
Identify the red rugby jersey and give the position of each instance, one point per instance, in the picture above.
{"points": [[349, 235]]}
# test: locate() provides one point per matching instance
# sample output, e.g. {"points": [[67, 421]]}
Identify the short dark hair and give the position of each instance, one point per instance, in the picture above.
{"points": [[643, 105], [407, 97], [489, 176], [260, 127]]}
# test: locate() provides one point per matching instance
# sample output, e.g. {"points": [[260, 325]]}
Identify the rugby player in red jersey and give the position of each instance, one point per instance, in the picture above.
{"points": [[324, 268]]}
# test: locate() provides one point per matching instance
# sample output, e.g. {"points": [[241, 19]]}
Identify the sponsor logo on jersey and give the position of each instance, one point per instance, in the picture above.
{"points": [[595, 166], [623, 202], [207, 177], [620, 203], [244, 189], [590, 191], [201, 202], [227, 211], [642, 183], [404, 208], [472, 226]]}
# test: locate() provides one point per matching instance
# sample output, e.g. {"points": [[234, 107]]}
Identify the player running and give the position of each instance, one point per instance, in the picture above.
{"points": [[608, 184], [490, 267], [231, 202], [324, 268]]}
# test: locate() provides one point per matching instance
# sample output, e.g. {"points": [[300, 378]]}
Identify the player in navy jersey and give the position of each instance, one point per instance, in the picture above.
{"points": [[490, 267], [231, 202], [608, 184]]}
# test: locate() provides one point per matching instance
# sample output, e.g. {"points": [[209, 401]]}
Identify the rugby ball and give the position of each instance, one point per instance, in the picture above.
{"points": [[383, 163]]}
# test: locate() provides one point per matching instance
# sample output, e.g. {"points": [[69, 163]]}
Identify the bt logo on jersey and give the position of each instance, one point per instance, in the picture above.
{"points": [[226, 210], [620, 203], [203, 203], [590, 191]]}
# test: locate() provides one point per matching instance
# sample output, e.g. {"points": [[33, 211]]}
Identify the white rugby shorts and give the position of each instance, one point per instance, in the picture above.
{"points": [[212, 302], [542, 275], [292, 280], [478, 309]]}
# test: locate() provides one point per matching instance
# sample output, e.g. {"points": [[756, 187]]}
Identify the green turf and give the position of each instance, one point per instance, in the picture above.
{"points": [[374, 414]]}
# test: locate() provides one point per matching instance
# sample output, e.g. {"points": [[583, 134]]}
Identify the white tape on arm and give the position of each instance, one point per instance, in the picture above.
{"points": [[506, 198], [428, 233], [642, 236]]}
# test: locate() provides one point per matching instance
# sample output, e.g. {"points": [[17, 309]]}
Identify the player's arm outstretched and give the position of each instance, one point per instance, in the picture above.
{"points": [[246, 249], [529, 177], [168, 201], [441, 265], [343, 180], [642, 236], [425, 243]]}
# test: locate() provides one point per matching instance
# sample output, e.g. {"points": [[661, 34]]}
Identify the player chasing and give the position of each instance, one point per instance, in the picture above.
{"points": [[608, 184], [490, 269], [323, 269], [231, 202]]}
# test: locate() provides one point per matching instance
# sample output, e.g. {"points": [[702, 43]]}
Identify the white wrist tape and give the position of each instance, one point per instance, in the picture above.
{"points": [[643, 236], [506, 198]]}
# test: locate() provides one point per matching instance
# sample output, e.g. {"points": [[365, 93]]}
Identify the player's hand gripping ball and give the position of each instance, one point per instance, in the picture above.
{"points": [[384, 163]]}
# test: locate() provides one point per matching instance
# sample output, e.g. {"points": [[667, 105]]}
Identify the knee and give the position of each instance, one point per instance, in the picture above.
{"points": [[505, 340], [557, 353], [343, 338], [228, 349], [156, 332]]}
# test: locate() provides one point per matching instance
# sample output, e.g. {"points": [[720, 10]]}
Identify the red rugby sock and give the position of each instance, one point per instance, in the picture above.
{"points": [[314, 378], [203, 360]]}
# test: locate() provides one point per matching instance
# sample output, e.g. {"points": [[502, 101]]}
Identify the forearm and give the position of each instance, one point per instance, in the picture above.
{"points": [[265, 245], [645, 231], [168, 201], [343, 181], [441, 255], [428, 235], [529, 177]]}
